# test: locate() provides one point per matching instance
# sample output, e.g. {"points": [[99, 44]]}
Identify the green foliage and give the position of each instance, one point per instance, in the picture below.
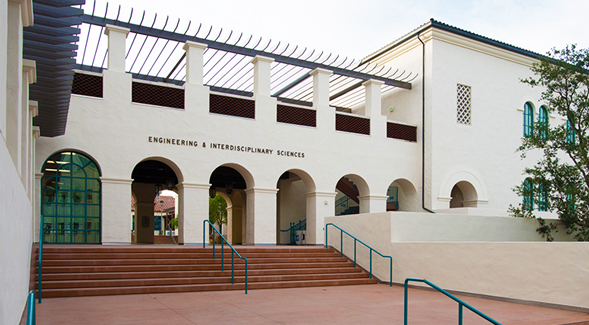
{"points": [[563, 171], [174, 223], [218, 210]]}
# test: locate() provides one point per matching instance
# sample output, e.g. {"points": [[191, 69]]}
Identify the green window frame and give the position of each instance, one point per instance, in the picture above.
{"points": [[570, 132], [542, 198], [528, 197], [71, 199], [528, 119], [543, 121]]}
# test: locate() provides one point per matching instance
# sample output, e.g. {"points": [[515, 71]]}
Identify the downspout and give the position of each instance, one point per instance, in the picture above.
{"points": [[423, 125]]}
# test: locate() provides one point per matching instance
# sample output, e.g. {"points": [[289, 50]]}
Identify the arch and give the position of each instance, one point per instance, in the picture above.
{"points": [[247, 176], [528, 119], [168, 162], [362, 185], [227, 199], [71, 199], [351, 189], [463, 195], [470, 184], [407, 199], [306, 178], [293, 205], [85, 153]]}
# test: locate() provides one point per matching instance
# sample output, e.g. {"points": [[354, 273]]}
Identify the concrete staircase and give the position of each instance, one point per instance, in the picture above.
{"points": [[70, 271]]}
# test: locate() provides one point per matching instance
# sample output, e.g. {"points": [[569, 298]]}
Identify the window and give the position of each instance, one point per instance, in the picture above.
{"points": [[528, 195], [542, 198], [70, 199], [543, 121], [570, 132], [528, 119], [463, 104]]}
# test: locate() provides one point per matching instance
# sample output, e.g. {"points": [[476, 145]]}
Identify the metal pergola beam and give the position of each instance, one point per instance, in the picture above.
{"points": [[138, 29]]}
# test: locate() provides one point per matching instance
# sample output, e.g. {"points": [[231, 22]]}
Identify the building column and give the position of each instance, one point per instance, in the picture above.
{"points": [[37, 207], [373, 203], [196, 95], [116, 83], [193, 210], [378, 122], [260, 216], [325, 113], [265, 104], [29, 74], [14, 29], [116, 210], [319, 206], [35, 132]]}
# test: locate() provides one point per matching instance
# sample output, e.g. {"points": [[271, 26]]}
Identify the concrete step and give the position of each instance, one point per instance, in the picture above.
{"points": [[70, 271], [51, 293]]}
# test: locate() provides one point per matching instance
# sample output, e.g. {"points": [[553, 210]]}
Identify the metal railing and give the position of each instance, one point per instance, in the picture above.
{"points": [[40, 264], [233, 252], [301, 225], [31, 309], [361, 242], [460, 302]]}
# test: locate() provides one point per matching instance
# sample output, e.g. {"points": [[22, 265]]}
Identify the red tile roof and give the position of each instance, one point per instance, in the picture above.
{"points": [[164, 203]]}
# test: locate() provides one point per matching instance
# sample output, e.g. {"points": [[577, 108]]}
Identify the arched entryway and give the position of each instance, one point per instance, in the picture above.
{"points": [[402, 196], [293, 207], [463, 195], [230, 184], [150, 178], [71, 199], [349, 191]]}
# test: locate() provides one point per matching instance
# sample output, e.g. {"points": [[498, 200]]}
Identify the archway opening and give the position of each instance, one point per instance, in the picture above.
{"points": [[402, 196], [153, 212], [230, 184], [291, 205], [70, 199], [349, 189], [464, 195]]}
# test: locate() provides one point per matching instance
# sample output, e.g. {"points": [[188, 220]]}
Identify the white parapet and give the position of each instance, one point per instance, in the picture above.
{"points": [[320, 87], [117, 37], [262, 67], [194, 62]]}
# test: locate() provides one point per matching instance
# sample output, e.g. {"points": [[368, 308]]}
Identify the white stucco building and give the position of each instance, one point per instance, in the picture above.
{"points": [[429, 123]]}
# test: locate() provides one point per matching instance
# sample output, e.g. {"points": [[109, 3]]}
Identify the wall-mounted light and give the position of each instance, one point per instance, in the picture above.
{"points": [[212, 192], [229, 188], [170, 184], [158, 189]]}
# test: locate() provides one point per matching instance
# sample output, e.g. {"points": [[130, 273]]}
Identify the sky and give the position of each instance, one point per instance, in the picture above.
{"points": [[357, 28]]}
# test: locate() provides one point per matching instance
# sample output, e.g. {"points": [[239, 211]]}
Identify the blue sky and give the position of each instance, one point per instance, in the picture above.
{"points": [[357, 28]]}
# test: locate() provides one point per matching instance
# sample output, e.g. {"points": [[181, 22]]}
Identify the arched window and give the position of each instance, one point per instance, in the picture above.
{"points": [[528, 119], [542, 198], [543, 121], [570, 133], [528, 201], [70, 199]]}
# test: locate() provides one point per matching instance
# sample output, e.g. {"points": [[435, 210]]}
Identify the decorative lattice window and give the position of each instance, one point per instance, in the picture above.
{"points": [[463, 104]]}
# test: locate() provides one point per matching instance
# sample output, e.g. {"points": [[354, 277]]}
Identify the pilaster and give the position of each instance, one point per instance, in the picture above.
{"points": [[193, 210], [260, 216], [116, 219], [319, 205]]}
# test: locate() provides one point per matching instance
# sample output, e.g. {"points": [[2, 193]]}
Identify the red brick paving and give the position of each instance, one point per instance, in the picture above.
{"points": [[362, 304]]}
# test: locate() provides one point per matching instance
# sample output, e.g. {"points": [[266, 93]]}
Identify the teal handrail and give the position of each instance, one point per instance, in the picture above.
{"points": [[302, 225], [361, 242], [460, 302], [31, 309], [223, 253], [40, 264]]}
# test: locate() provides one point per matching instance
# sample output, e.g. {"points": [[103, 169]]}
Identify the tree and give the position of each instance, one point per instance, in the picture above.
{"points": [[559, 182], [218, 211]]}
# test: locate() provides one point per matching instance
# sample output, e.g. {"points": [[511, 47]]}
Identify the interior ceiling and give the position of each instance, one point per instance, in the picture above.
{"points": [[153, 172]]}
